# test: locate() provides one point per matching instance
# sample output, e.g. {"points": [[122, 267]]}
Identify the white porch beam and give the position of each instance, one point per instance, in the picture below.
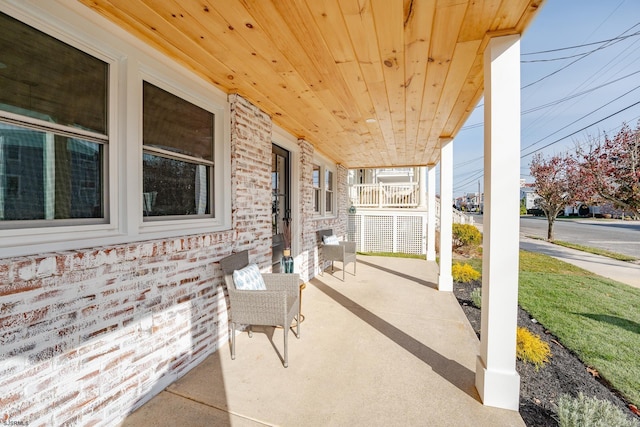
{"points": [[445, 280], [497, 381], [431, 212]]}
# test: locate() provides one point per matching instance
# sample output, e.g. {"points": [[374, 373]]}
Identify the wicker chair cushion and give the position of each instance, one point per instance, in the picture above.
{"points": [[249, 279], [330, 240]]}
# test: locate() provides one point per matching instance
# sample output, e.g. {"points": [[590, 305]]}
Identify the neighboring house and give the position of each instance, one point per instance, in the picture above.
{"points": [[388, 188], [471, 202], [528, 197], [135, 155], [388, 210]]}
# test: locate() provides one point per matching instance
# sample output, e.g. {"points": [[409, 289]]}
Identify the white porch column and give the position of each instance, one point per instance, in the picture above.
{"points": [[445, 280], [422, 186], [431, 212], [496, 378]]}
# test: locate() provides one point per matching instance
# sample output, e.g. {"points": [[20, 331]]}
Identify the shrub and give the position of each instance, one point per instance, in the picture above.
{"points": [[464, 273], [530, 348], [585, 411], [465, 235], [476, 297]]}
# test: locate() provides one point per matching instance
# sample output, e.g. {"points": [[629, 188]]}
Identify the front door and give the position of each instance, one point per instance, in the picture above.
{"points": [[280, 203]]}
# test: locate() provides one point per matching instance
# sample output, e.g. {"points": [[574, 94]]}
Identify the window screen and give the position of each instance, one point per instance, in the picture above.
{"points": [[53, 129], [178, 155]]}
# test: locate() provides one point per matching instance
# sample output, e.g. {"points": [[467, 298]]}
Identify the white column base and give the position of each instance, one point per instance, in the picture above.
{"points": [[499, 389], [445, 282]]}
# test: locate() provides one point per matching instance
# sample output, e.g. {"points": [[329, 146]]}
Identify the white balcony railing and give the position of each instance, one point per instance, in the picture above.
{"points": [[385, 195]]}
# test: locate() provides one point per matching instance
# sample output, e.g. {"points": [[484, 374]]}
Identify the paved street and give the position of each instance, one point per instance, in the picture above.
{"points": [[613, 235], [617, 236]]}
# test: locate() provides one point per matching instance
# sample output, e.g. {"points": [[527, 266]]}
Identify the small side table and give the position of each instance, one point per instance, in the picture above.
{"points": [[303, 285]]}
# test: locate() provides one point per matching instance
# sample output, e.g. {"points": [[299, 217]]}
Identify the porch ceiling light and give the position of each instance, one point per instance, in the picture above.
{"points": [[370, 120]]}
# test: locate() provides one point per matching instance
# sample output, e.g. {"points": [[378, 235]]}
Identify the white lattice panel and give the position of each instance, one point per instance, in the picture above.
{"points": [[409, 234], [388, 232], [377, 234]]}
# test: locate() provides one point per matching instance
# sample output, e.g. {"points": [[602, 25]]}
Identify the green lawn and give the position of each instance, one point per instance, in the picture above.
{"points": [[597, 251], [597, 318]]}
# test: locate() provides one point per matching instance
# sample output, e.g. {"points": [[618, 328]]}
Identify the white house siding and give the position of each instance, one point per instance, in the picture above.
{"points": [[89, 335]]}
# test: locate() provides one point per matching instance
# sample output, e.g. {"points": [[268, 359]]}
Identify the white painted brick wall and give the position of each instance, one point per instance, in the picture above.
{"points": [[311, 255], [251, 179], [88, 335]]}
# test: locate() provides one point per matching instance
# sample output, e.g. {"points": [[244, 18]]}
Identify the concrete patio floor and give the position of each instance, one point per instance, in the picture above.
{"points": [[383, 348]]}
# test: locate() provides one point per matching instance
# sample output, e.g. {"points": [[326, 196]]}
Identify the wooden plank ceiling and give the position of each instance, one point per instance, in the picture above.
{"points": [[370, 83]]}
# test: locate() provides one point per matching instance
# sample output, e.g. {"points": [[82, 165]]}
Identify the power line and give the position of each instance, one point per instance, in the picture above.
{"points": [[575, 95], [616, 39], [573, 62], [601, 71], [558, 101], [579, 130], [479, 175], [580, 118], [468, 162]]}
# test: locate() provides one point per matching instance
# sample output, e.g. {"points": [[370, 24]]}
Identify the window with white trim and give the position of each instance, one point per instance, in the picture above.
{"points": [[53, 130], [328, 192], [73, 102], [317, 189], [323, 179], [178, 156]]}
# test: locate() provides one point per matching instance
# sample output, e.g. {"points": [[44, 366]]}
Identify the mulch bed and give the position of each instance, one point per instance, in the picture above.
{"points": [[564, 374]]}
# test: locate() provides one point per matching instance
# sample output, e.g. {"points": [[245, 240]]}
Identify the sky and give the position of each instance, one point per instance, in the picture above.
{"points": [[568, 101]]}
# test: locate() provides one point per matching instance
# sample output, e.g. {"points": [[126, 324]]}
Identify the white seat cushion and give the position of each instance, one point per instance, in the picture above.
{"points": [[249, 279], [330, 240]]}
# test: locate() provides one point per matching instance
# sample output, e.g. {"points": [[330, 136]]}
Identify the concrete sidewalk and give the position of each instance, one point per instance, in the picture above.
{"points": [[383, 348], [624, 272]]}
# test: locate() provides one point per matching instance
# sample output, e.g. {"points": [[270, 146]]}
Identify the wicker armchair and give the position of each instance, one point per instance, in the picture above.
{"points": [[278, 305], [344, 252]]}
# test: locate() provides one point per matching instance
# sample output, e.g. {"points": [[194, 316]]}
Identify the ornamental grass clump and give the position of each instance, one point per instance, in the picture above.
{"points": [[464, 273], [530, 348], [583, 411], [476, 297]]}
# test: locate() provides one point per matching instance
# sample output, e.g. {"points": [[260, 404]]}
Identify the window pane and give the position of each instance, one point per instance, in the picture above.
{"points": [[316, 200], [316, 176], [44, 176], [328, 185], [329, 181], [175, 187], [44, 78], [176, 125]]}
